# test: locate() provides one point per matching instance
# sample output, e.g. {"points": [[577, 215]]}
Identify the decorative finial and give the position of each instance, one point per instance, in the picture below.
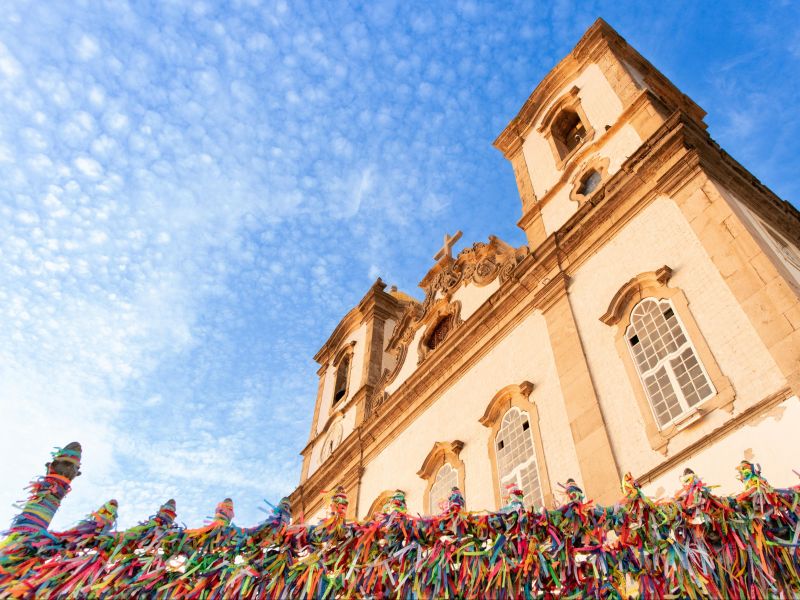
{"points": [[573, 492], [456, 500], [339, 502], [447, 249], [223, 514]]}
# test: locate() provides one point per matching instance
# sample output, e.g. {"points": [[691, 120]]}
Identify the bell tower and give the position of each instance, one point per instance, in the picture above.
{"points": [[592, 112], [350, 363]]}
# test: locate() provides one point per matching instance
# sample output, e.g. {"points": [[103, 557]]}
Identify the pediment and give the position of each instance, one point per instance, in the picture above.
{"points": [[479, 265]]}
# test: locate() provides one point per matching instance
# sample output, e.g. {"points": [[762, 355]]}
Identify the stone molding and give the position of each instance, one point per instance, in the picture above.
{"points": [[569, 101], [479, 265], [377, 505], [599, 164], [643, 101], [442, 309], [633, 289], [440, 454]]}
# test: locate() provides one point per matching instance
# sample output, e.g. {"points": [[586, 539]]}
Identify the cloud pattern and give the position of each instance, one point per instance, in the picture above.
{"points": [[194, 194]]}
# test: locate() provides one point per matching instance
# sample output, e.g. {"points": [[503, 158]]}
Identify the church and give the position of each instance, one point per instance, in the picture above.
{"points": [[651, 322]]}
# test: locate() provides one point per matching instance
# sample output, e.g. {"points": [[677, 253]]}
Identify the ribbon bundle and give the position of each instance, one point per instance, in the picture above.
{"points": [[694, 545]]}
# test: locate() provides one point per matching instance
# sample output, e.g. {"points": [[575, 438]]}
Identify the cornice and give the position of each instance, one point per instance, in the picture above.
{"points": [[510, 139], [723, 168]]}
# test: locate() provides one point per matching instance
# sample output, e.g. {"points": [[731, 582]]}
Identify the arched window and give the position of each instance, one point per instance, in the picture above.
{"points": [[332, 441], [440, 332], [668, 361], [673, 376], [342, 373], [516, 458], [568, 132], [442, 469], [446, 478], [380, 504]]}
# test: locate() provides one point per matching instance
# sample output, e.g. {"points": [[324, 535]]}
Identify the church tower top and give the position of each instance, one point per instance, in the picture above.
{"points": [[590, 113]]}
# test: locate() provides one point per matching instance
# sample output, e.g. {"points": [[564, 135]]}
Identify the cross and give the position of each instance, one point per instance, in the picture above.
{"points": [[447, 248]]}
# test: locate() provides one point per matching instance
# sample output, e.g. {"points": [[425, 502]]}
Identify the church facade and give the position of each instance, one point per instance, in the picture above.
{"points": [[650, 323]]}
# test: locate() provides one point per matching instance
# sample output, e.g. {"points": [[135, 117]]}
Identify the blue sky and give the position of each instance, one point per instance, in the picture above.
{"points": [[193, 194]]}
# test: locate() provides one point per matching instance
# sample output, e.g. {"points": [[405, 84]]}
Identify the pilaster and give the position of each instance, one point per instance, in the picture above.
{"points": [[599, 472]]}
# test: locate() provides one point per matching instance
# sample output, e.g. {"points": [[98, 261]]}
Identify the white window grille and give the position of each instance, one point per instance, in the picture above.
{"points": [[672, 374], [332, 441], [445, 480], [516, 458]]}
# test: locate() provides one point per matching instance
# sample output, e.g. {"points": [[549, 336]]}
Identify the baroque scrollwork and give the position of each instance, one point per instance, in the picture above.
{"points": [[444, 309], [479, 265]]}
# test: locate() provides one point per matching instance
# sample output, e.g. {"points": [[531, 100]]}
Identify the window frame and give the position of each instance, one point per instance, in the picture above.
{"points": [[599, 165], [515, 473], [442, 453], [666, 362], [516, 396], [347, 352], [435, 480], [654, 284], [568, 102], [445, 307], [345, 363], [377, 506]]}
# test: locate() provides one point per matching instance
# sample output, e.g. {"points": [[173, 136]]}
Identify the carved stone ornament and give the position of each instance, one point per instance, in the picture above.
{"points": [[443, 309], [479, 265], [398, 344]]}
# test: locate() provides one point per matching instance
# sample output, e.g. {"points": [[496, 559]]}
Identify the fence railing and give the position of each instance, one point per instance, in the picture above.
{"points": [[696, 544]]}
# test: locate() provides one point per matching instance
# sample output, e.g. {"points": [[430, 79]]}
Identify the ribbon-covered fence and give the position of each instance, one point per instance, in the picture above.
{"points": [[694, 545]]}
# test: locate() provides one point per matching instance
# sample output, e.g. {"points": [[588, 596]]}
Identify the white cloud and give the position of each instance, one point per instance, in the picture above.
{"points": [[9, 66], [88, 166]]}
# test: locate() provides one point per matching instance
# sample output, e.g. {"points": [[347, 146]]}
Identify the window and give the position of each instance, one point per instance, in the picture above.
{"points": [[439, 332], [566, 127], [516, 449], [589, 183], [588, 179], [442, 470], [446, 479], [333, 440], [672, 375], [668, 362], [516, 458], [342, 373], [568, 132]]}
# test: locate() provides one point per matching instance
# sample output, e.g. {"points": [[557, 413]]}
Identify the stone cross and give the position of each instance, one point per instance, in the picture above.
{"points": [[447, 248]]}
